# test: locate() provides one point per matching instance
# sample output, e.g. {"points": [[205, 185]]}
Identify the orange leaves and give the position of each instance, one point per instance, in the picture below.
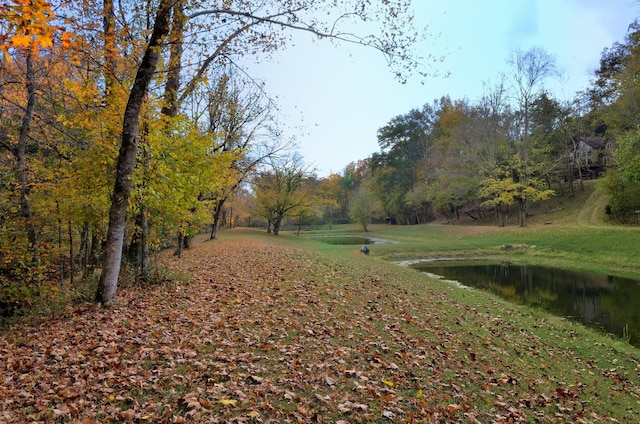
{"points": [[190, 353], [29, 26]]}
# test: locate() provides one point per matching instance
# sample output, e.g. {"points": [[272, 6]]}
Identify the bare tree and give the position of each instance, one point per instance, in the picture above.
{"points": [[240, 116], [528, 70]]}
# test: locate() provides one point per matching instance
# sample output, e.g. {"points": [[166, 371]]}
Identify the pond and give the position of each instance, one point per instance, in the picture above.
{"points": [[602, 301], [349, 240], [346, 240]]}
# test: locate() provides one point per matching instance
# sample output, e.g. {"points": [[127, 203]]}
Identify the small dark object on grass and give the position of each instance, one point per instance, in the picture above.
{"points": [[364, 249]]}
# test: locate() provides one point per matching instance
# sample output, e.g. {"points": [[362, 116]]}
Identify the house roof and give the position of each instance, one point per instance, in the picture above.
{"points": [[594, 142]]}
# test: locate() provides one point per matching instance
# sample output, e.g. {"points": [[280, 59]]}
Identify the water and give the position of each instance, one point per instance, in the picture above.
{"points": [[602, 301], [345, 240]]}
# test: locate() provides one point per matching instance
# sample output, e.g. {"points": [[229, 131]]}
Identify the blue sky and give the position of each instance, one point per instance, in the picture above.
{"points": [[334, 99]]}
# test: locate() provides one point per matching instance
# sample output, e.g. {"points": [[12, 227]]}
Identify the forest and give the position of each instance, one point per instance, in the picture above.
{"points": [[127, 128]]}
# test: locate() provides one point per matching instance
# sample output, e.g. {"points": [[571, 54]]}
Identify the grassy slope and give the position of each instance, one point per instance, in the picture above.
{"points": [[569, 232], [292, 330]]}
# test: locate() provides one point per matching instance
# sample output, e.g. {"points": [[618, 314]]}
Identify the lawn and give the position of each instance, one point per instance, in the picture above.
{"points": [[259, 328], [284, 329]]}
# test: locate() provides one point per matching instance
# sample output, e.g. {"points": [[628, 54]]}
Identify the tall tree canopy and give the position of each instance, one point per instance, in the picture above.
{"points": [[216, 33]]}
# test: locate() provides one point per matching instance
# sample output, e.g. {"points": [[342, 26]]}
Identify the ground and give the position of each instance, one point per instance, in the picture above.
{"points": [[264, 332]]}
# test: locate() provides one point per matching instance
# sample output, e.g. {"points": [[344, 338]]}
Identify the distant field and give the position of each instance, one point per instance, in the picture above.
{"points": [[568, 232]]}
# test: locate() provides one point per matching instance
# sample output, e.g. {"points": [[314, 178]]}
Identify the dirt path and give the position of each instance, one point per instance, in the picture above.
{"points": [[592, 213]]}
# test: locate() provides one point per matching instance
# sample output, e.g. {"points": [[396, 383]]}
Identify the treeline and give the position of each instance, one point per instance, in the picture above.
{"points": [[514, 146], [127, 127]]}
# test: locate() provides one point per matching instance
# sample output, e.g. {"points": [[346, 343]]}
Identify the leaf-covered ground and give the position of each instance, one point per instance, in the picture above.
{"points": [[269, 333]]}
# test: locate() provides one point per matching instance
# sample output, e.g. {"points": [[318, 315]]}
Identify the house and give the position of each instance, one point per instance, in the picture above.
{"points": [[591, 155]]}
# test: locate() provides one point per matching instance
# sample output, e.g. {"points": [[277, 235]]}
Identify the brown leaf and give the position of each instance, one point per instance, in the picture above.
{"points": [[128, 415]]}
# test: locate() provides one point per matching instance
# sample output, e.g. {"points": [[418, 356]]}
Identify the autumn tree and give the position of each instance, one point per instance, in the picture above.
{"points": [[527, 72], [364, 207], [327, 198], [242, 28], [281, 189]]}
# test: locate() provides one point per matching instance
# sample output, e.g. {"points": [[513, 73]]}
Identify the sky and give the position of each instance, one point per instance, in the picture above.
{"points": [[333, 100]]}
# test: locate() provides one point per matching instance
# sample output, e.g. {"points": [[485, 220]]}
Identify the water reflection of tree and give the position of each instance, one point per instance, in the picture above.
{"points": [[598, 300], [532, 296]]}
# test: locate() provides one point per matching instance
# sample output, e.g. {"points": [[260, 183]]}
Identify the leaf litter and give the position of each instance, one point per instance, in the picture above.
{"points": [[266, 333]]}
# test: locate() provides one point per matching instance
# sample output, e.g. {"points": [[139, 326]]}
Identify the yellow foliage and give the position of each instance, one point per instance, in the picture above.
{"points": [[29, 25]]}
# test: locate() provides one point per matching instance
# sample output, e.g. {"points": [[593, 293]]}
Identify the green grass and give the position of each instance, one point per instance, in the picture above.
{"points": [[565, 232], [291, 329], [545, 354]]}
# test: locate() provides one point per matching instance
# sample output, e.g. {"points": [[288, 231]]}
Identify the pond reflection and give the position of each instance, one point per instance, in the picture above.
{"points": [[598, 300]]}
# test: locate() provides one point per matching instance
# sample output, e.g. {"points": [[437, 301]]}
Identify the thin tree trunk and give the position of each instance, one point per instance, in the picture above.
{"points": [[133, 252], [71, 253], [126, 158], [216, 218], [95, 251], [84, 249], [144, 243], [21, 153], [63, 271]]}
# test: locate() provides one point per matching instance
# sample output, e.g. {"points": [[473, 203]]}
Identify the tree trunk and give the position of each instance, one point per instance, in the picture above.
{"points": [[522, 212], [84, 249], [95, 251], [133, 252], [107, 286], [72, 268], [21, 153], [144, 243], [180, 247], [216, 218], [500, 216], [276, 224]]}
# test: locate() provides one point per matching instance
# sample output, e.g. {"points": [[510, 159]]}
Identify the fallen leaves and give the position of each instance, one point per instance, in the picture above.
{"points": [[306, 340]]}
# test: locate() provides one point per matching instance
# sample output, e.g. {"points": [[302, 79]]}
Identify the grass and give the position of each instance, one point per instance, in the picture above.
{"points": [[291, 329], [570, 233], [531, 349]]}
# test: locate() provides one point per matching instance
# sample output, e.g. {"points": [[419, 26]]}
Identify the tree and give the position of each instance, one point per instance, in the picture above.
{"points": [[506, 187], [280, 190], [622, 181], [242, 28], [396, 168], [364, 207], [126, 158], [528, 70], [550, 139], [240, 118]]}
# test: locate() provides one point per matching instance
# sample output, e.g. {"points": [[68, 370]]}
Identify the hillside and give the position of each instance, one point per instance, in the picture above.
{"points": [[585, 208]]}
